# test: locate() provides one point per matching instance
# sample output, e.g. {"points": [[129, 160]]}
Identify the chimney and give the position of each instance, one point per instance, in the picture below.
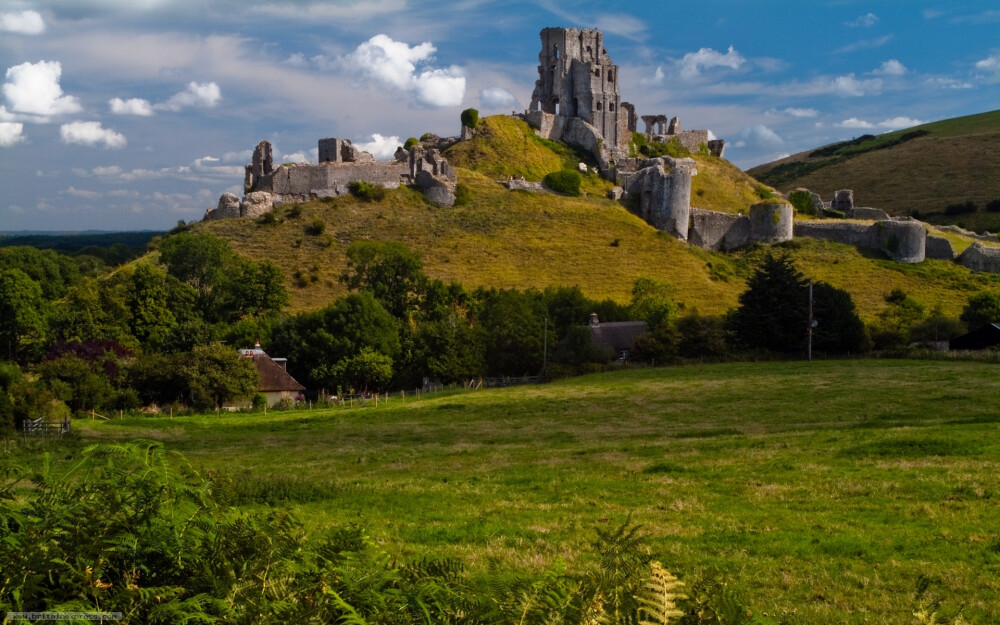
{"points": [[593, 320]]}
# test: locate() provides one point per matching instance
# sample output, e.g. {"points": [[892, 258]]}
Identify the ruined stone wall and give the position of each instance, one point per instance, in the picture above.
{"points": [[662, 192], [856, 234], [771, 222], [902, 241], [979, 257], [712, 230], [939, 248]]}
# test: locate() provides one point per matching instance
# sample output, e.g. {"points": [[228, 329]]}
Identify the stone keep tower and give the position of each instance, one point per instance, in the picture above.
{"points": [[576, 78]]}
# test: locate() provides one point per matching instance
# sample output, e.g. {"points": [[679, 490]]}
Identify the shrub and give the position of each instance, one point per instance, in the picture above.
{"points": [[411, 142], [463, 195], [564, 181], [294, 211], [366, 191], [470, 118], [960, 208], [316, 227], [802, 201], [993, 206]]}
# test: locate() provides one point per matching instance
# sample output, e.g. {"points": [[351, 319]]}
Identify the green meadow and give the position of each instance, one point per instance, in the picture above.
{"points": [[831, 491]]}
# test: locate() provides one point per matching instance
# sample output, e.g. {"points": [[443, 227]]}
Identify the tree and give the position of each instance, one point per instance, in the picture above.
{"points": [[982, 308], [513, 325], [217, 374], [22, 315], [147, 297], [451, 350], [53, 272], [651, 302], [75, 382], [773, 311], [392, 272], [839, 329], [894, 323], [314, 342], [367, 370], [470, 118], [701, 336]]}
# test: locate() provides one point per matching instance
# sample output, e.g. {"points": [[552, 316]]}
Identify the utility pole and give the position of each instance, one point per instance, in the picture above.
{"points": [[812, 323], [545, 345]]}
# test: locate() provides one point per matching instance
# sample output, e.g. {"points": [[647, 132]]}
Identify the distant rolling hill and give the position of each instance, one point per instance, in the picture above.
{"points": [[918, 171], [517, 239]]}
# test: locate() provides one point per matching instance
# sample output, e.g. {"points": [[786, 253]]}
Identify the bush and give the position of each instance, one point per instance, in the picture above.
{"points": [[993, 206], [960, 208], [294, 211], [470, 118], [366, 191], [802, 201], [463, 195], [316, 227], [411, 142], [565, 181]]}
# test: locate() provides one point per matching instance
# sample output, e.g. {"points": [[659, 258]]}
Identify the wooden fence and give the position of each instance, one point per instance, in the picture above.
{"points": [[40, 426]]}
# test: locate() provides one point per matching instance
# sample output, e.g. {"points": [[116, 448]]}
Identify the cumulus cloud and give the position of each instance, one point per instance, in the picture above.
{"points": [[22, 23], [81, 193], [694, 62], [655, 79], [10, 134], [990, 64], [892, 67], [893, 123], [865, 21], [758, 137], [801, 113], [33, 89], [91, 133], [497, 98], [295, 157], [850, 86], [394, 64], [132, 106], [382, 148], [948, 83], [204, 95]]}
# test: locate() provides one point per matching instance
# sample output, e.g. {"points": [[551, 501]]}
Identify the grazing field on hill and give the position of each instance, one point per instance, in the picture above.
{"points": [[831, 489], [925, 169]]}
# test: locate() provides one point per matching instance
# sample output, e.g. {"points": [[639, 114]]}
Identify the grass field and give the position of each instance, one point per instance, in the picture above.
{"points": [[829, 488]]}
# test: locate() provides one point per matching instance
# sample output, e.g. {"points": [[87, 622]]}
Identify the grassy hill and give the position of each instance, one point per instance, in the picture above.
{"points": [[837, 511], [518, 239], [923, 169]]}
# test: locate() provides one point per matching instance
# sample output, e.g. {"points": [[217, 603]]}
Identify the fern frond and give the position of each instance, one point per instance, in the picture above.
{"points": [[658, 597]]}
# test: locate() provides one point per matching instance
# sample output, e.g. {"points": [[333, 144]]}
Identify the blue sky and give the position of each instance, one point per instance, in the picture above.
{"points": [[134, 114]]}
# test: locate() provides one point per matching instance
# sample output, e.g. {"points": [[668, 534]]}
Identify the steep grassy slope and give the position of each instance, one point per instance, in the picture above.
{"points": [[922, 169], [517, 239]]}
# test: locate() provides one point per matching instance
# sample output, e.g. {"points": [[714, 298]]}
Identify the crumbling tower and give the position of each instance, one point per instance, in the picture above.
{"points": [[576, 78]]}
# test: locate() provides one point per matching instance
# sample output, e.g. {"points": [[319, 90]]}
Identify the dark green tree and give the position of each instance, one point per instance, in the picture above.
{"points": [[839, 329], [53, 272], [701, 336], [893, 324], [451, 349], [982, 308], [368, 370], [774, 310], [217, 374], [392, 272], [23, 325], [512, 323]]}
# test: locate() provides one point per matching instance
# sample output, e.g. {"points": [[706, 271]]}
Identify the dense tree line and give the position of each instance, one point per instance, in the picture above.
{"points": [[73, 339]]}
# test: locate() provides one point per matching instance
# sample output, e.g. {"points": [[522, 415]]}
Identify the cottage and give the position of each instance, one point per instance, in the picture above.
{"points": [[980, 338], [275, 382], [616, 339]]}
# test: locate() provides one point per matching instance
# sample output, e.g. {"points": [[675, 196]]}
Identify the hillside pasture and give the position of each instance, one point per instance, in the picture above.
{"points": [[829, 490]]}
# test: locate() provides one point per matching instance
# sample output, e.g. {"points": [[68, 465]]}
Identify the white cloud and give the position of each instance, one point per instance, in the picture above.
{"points": [[990, 64], [893, 123], [655, 79], [898, 123], [205, 95], [132, 106], [865, 21], [33, 88], [109, 170], [295, 157], [854, 122], [81, 193], [497, 98], [91, 133], [394, 64], [851, 86], [382, 148], [801, 113], [866, 44], [621, 24], [948, 83], [10, 133], [694, 62], [23, 23], [892, 67], [758, 137]]}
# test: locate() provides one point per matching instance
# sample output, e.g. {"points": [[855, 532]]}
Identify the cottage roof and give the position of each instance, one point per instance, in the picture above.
{"points": [[617, 335], [273, 377], [982, 337]]}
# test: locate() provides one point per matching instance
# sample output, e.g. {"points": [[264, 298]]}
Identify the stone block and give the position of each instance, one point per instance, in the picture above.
{"points": [[771, 222], [980, 257], [712, 230], [939, 248], [871, 214], [256, 204], [843, 201], [902, 241], [229, 206], [436, 190]]}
